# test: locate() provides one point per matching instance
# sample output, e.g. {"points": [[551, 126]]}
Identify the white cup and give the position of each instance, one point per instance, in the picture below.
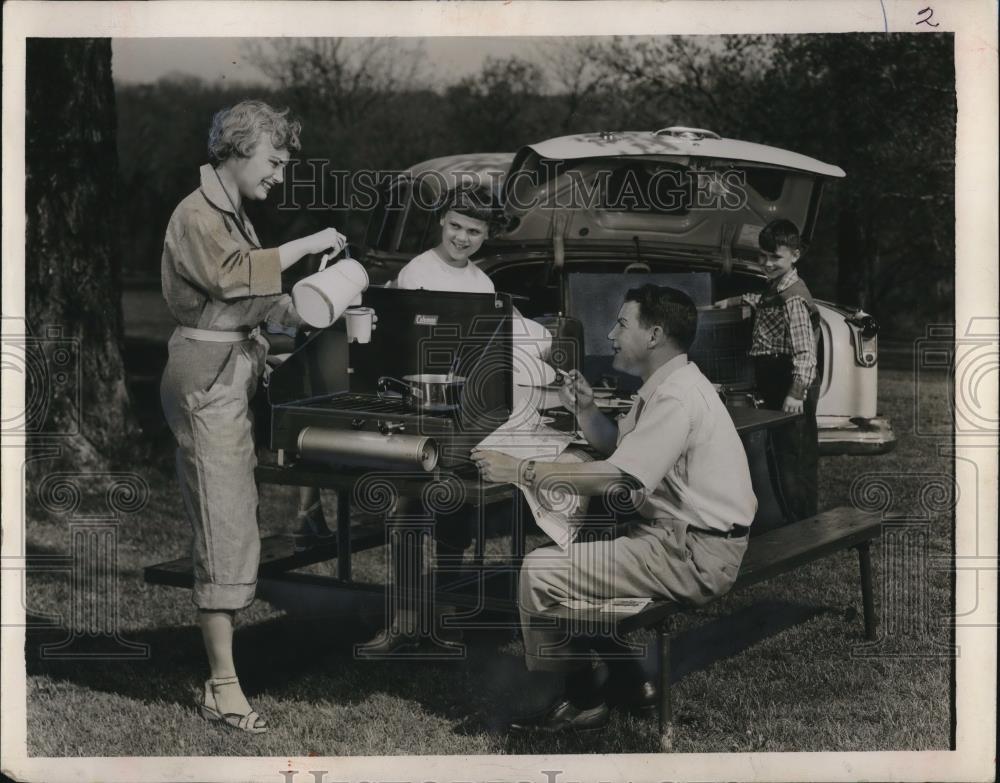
{"points": [[360, 322], [322, 298]]}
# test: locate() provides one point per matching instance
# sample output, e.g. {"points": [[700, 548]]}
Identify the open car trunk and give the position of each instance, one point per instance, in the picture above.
{"points": [[707, 208]]}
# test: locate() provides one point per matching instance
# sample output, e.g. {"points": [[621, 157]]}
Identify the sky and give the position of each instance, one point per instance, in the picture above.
{"points": [[140, 60]]}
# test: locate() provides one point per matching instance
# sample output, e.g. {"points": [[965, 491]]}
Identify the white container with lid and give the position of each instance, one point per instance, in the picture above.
{"points": [[322, 298]]}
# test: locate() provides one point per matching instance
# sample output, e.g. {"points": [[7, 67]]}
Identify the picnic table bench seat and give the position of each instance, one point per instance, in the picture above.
{"points": [[772, 553]]}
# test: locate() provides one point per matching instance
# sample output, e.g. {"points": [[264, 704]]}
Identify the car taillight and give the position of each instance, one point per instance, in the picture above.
{"points": [[864, 335]]}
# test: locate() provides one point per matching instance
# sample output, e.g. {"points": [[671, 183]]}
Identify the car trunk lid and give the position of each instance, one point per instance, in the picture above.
{"points": [[678, 190]]}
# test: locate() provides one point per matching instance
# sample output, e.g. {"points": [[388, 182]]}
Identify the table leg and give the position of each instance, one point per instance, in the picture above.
{"points": [[521, 513], [867, 591], [771, 510], [666, 703], [344, 535]]}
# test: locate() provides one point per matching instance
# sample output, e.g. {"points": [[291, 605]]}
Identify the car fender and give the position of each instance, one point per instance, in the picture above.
{"points": [[847, 389]]}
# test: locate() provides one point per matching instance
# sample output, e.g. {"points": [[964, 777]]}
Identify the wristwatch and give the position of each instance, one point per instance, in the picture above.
{"points": [[528, 474]]}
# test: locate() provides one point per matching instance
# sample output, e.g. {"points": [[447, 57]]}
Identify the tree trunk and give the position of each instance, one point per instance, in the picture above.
{"points": [[72, 268]]}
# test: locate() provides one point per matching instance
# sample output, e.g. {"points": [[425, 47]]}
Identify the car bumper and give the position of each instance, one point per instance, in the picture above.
{"points": [[855, 435]]}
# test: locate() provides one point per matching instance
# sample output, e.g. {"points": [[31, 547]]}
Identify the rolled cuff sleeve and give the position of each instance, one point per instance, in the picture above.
{"points": [[650, 451], [211, 259], [265, 272]]}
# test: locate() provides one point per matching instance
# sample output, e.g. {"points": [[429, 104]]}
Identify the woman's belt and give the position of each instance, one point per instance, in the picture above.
{"points": [[215, 335]]}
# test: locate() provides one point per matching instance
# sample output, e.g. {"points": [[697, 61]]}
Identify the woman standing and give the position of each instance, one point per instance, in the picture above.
{"points": [[220, 285]]}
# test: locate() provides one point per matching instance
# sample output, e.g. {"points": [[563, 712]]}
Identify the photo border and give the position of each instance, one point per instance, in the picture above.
{"points": [[975, 26]]}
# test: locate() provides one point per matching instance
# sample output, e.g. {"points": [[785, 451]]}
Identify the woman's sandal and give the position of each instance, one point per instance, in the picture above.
{"points": [[311, 530], [251, 723]]}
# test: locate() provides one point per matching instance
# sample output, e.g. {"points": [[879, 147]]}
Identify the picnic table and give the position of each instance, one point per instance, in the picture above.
{"points": [[481, 588], [778, 544]]}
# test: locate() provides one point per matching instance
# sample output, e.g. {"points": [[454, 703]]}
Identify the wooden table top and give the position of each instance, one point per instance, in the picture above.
{"points": [[411, 483]]}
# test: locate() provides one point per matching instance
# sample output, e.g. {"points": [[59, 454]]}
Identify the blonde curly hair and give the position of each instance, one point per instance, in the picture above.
{"points": [[236, 130]]}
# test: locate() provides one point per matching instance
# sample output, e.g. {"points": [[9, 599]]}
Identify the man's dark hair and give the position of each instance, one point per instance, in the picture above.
{"points": [[477, 203], [777, 233], [670, 309]]}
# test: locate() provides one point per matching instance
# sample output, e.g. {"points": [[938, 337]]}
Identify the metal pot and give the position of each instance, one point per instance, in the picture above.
{"points": [[426, 391]]}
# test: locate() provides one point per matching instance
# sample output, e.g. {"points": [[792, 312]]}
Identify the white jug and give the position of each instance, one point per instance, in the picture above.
{"points": [[322, 298]]}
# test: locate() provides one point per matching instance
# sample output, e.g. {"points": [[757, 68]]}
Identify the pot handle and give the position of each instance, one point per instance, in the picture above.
{"points": [[327, 256], [387, 381]]}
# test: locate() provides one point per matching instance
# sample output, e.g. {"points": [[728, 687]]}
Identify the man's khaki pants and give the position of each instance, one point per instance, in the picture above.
{"points": [[656, 559]]}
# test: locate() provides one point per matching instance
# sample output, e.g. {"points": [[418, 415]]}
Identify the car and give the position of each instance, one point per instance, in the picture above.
{"points": [[589, 215]]}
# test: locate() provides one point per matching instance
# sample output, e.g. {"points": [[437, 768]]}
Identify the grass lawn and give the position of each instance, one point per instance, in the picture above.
{"points": [[778, 667]]}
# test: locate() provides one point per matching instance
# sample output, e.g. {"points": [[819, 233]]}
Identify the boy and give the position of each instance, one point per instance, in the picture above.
{"points": [[785, 334]]}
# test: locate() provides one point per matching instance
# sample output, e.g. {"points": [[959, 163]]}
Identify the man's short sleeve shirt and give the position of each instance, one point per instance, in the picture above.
{"points": [[679, 442]]}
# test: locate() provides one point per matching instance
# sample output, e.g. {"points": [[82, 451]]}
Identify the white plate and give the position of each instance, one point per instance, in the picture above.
{"points": [[532, 371], [613, 403]]}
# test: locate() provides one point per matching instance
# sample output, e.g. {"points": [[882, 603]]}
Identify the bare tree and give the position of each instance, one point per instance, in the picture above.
{"points": [[500, 107], [347, 77], [580, 83], [707, 82]]}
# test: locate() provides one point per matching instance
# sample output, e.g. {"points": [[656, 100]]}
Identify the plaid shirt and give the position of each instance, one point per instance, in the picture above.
{"points": [[784, 327]]}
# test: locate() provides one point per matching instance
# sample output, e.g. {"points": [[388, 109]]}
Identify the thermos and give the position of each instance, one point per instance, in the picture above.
{"points": [[322, 298]]}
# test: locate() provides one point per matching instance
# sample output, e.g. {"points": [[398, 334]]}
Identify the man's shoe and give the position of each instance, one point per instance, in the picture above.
{"points": [[387, 642], [629, 688], [641, 697], [564, 716], [450, 638]]}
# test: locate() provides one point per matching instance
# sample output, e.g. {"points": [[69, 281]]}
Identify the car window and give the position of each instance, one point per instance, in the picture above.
{"points": [[533, 297], [385, 218], [769, 183], [419, 229]]}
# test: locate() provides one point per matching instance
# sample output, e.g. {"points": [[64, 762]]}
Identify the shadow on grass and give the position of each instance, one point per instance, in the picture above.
{"points": [[309, 659], [707, 644], [694, 649], [312, 659], [49, 565], [270, 656]]}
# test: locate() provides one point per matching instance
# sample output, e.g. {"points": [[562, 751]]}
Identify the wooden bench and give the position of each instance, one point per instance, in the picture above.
{"points": [[769, 554], [278, 555]]}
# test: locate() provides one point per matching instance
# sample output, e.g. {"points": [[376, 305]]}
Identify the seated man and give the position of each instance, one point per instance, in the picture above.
{"points": [[678, 449]]}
